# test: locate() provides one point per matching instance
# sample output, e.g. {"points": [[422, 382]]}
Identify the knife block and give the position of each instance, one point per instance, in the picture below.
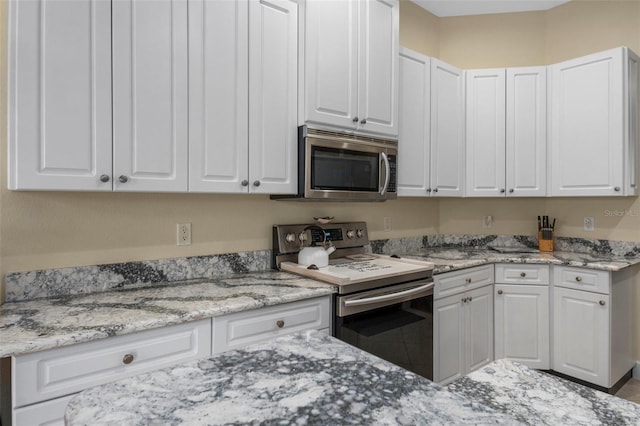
{"points": [[546, 245]]}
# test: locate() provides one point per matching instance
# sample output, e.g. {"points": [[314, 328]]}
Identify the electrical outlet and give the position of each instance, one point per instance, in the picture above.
{"points": [[387, 223], [184, 234], [589, 224], [487, 221]]}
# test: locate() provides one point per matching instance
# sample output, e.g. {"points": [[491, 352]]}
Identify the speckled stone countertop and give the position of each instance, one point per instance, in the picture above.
{"points": [[40, 324], [311, 378], [448, 259]]}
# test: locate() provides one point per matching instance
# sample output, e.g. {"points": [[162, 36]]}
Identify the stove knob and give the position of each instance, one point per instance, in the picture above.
{"points": [[302, 236], [290, 237], [350, 233], [359, 233]]}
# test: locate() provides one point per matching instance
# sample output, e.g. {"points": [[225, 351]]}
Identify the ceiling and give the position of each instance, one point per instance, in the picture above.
{"points": [[443, 8]]}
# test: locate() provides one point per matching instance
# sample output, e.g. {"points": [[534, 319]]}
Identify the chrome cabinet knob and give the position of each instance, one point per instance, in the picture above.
{"points": [[435, 190], [256, 183], [502, 191], [363, 121], [464, 300], [428, 190], [617, 189], [470, 298], [123, 179], [244, 183], [127, 359], [355, 119], [499, 291], [280, 323], [104, 178], [522, 274], [510, 190], [602, 303], [578, 279], [468, 280]]}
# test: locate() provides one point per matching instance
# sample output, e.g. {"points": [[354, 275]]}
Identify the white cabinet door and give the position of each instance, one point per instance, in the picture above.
{"points": [[478, 328], [485, 135], [218, 95], [150, 127], [413, 135], [581, 335], [378, 66], [48, 413], [59, 95], [331, 62], [522, 324], [447, 129], [526, 132], [587, 125], [273, 94], [448, 338]]}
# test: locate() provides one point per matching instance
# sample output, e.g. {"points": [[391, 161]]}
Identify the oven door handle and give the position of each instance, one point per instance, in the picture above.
{"points": [[388, 297]]}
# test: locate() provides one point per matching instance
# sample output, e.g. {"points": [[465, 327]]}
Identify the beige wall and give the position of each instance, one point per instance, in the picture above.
{"points": [[43, 230]]}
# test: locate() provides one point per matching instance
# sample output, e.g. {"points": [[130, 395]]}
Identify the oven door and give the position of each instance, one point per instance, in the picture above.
{"points": [[394, 323]]}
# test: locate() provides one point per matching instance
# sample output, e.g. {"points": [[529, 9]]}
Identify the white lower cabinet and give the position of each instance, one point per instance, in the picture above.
{"points": [[463, 327], [43, 382], [522, 324], [593, 328], [521, 303], [238, 330]]}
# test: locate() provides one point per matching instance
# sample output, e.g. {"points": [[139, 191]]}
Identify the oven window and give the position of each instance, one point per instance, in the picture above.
{"points": [[344, 170], [401, 334]]}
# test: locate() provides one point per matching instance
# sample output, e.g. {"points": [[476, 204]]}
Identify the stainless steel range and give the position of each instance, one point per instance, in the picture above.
{"points": [[384, 304]]}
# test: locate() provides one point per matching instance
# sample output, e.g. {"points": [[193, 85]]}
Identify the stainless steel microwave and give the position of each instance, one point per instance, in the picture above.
{"points": [[336, 166]]}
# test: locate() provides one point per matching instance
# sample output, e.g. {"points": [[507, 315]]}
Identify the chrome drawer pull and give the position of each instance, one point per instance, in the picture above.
{"points": [[578, 279], [127, 359], [280, 323]]}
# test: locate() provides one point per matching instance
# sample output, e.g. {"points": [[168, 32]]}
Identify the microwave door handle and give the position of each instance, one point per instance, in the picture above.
{"points": [[387, 175]]}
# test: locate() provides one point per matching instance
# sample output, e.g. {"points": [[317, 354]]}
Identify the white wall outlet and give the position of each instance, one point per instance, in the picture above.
{"points": [[589, 224], [387, 223], [184, 234], [487, 221]]}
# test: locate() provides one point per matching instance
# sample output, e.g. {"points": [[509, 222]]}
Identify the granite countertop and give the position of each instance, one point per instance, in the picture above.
{"points": [[312, 378], [40, 324], [448, 259]]}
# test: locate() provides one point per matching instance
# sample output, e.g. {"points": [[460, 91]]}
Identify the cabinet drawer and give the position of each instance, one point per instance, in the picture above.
{"points": [[514, 273], [581, 279], [244, 328], [62, 371], [462, 280], [49, 413]]}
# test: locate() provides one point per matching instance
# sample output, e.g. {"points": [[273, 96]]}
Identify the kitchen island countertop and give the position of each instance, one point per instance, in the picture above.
{"points": [[311, 378]]}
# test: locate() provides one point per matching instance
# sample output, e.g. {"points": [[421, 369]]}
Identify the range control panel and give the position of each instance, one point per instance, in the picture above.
{"points": [[291, 238]]}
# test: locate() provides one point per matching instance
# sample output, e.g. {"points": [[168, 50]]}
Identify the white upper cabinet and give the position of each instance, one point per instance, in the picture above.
{"points": [[218, 95], [506, 132], [526, 132], [593, 128], [273, 96], [243, 96], [150, 128], [59, 95], [447, 129], [413, 135], [485, 121], [351, 64]]}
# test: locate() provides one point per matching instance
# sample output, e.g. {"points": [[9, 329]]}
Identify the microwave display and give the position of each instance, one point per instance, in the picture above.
{"points": [[344, 170]]}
